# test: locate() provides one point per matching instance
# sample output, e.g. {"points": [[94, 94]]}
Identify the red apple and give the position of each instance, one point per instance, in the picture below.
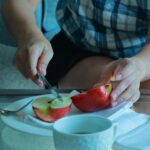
{"points": [[94, 99], [49, 110]]}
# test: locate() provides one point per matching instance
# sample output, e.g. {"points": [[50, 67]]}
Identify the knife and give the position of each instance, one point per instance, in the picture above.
{"points": [[53, 89]]}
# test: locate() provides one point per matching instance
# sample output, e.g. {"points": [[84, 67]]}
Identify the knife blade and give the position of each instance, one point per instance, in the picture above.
{"points": [[53, 89]]}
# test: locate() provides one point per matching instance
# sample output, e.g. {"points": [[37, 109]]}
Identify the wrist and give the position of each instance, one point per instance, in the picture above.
{"points": [[30, 35], [140, 67]]}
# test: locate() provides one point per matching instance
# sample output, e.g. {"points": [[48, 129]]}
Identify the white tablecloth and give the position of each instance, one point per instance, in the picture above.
{"points": [[10, 77], [11, 139], [137, 139]]}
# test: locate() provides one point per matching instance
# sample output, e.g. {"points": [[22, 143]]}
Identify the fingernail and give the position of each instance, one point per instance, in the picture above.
{"points": [[114, 96], [40, 69], [43, 71], [119, 77], [114, 104]]}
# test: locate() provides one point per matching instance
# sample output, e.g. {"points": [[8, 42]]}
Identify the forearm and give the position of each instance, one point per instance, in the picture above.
{"points": [[19, 17]]}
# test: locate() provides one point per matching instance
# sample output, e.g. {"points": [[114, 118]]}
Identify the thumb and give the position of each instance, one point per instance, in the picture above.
{"points": [[106, 77]]}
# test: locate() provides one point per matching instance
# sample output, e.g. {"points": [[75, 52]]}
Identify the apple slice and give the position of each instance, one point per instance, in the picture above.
{"points": [[94, 99], [49, 110]]}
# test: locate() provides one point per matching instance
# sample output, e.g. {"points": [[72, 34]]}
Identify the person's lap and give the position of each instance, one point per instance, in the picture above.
{"points": [[75, 68], [85, 73]]}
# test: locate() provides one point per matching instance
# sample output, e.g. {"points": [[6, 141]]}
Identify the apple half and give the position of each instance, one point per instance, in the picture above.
{"points": [[94, 99], [49, 110]]}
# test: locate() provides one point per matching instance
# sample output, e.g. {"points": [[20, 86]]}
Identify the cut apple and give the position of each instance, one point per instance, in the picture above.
{"points": [[94, 99], [49, 110]]}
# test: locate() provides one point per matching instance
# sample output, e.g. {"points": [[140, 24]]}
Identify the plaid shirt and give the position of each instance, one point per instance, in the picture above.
{"points": [[116, 28]]}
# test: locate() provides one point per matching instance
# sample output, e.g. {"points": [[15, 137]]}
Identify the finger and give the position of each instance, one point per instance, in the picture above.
{"points": [[37, 81], [40, 60], [127, 94], [107, 75], [122, 86], [135, 97], [44, 60], [34, 78], [114, 84], [124, 70], [34, 54]]}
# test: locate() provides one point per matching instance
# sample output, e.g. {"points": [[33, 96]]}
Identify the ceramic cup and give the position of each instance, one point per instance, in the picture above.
{"points": [[83, 132]]}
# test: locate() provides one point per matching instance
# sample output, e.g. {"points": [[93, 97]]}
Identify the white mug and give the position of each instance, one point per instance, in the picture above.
{"points": [[83, 132]]}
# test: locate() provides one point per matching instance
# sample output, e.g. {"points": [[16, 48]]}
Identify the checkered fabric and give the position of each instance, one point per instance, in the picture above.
{"points": [[116, 28]]}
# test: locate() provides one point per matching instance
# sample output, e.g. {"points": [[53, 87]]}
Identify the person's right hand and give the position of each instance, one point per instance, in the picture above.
{"points": [[34, 55]]}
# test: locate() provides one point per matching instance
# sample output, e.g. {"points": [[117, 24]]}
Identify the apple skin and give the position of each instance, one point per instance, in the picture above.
{"points": [[94, 99], [50, 113]]}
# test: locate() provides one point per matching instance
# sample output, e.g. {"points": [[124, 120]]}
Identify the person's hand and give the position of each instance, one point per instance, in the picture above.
{"points": [[125, 75], [34, 55]]}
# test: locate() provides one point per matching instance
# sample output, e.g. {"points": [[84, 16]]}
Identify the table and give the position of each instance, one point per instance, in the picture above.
{"points": [[11, 139]]}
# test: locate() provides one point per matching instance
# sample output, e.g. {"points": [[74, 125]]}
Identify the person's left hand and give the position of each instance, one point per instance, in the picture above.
{"points": [[125, 75]]}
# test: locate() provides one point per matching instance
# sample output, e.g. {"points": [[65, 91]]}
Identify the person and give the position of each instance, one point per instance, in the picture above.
{"points": [[99, 42]]}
